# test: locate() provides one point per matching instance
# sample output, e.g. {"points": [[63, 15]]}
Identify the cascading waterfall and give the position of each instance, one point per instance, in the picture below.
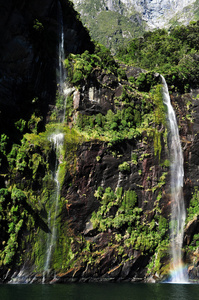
{"points": [[61, 78], [178, 214], [120, 177], [57, 140], [62, 73]]}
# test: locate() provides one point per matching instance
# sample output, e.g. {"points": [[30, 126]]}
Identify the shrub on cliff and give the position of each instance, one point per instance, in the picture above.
{"points": [[124, 167]]}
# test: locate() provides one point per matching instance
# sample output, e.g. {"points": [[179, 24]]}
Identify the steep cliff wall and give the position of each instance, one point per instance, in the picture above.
{"points": [[109, 248], [157, 14], [113, 212], [28, 86], [29, 41]]}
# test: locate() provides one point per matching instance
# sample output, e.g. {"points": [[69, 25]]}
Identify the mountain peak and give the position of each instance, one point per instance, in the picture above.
{"points": [[158, 13]]}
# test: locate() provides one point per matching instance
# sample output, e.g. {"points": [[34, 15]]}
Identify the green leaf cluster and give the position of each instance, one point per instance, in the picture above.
{"points": [[124, 167], [119, 211], [132, 114], [193, 209], [13, 215], [81, 66]]}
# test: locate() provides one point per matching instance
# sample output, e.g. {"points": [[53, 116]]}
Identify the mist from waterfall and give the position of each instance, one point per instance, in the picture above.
{"points": [[178, 213]]}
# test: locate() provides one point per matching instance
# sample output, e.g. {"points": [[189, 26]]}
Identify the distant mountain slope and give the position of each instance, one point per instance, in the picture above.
{"points": [[108, 21], [187, 14], [113, 22], [156, 13]]}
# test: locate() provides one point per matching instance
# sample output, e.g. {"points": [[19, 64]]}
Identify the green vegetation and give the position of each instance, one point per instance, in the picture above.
{"points": [[124, 167], [38, 26], [134, 109], [119, 212], [12, 219], [192, 215], [193, 210], [25, 201], [173, 54], [137, 116], [79, 67], [109, 28], [160, 121], [3, 143], [112, 29]]}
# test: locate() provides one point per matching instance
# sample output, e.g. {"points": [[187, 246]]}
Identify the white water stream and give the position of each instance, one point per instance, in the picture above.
{"points": [[178, 214], [61, 78], [57, 140], [62, 73]]}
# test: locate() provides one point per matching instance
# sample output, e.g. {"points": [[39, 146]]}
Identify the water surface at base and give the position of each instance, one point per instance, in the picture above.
{"points": [[109, 291]]}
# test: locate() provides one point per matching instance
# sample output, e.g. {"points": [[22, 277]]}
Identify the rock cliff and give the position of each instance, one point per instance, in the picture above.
{"points": [[113, 214], [156, 14], [128, 18], [98, 166], [28, 54]]}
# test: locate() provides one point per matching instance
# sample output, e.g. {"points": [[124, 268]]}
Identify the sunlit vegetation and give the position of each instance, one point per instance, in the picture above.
{"points": [[173, 54], [110, 28], [138, 115], [119, 212]]}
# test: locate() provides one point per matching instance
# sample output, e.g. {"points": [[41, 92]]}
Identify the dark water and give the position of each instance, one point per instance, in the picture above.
{"points": [[109, 291]]}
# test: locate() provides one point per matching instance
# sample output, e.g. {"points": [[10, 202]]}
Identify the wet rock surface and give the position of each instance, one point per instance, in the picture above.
{"points": [[92, 173], [28, 60]]}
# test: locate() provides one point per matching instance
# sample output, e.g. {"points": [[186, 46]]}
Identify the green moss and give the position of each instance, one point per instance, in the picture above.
{"points": [[166, 163], [159, 263], [131, 227], [38, 26]]}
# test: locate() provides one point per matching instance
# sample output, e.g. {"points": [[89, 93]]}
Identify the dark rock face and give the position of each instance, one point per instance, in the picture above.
{"points": [[28, 71], [189, 137], [142, 178], [29, 41], [97, 95], [191, 228], [97, 165], [28, 65], [81, 203]]}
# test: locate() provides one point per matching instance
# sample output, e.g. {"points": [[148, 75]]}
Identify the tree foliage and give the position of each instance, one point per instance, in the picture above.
{"points": [[174, 54]]}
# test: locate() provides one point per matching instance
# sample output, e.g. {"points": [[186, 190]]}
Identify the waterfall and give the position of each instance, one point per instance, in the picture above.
{"points": [[178, 213], [61, 74], [61, 77], [120, 177], [57, 140]]}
